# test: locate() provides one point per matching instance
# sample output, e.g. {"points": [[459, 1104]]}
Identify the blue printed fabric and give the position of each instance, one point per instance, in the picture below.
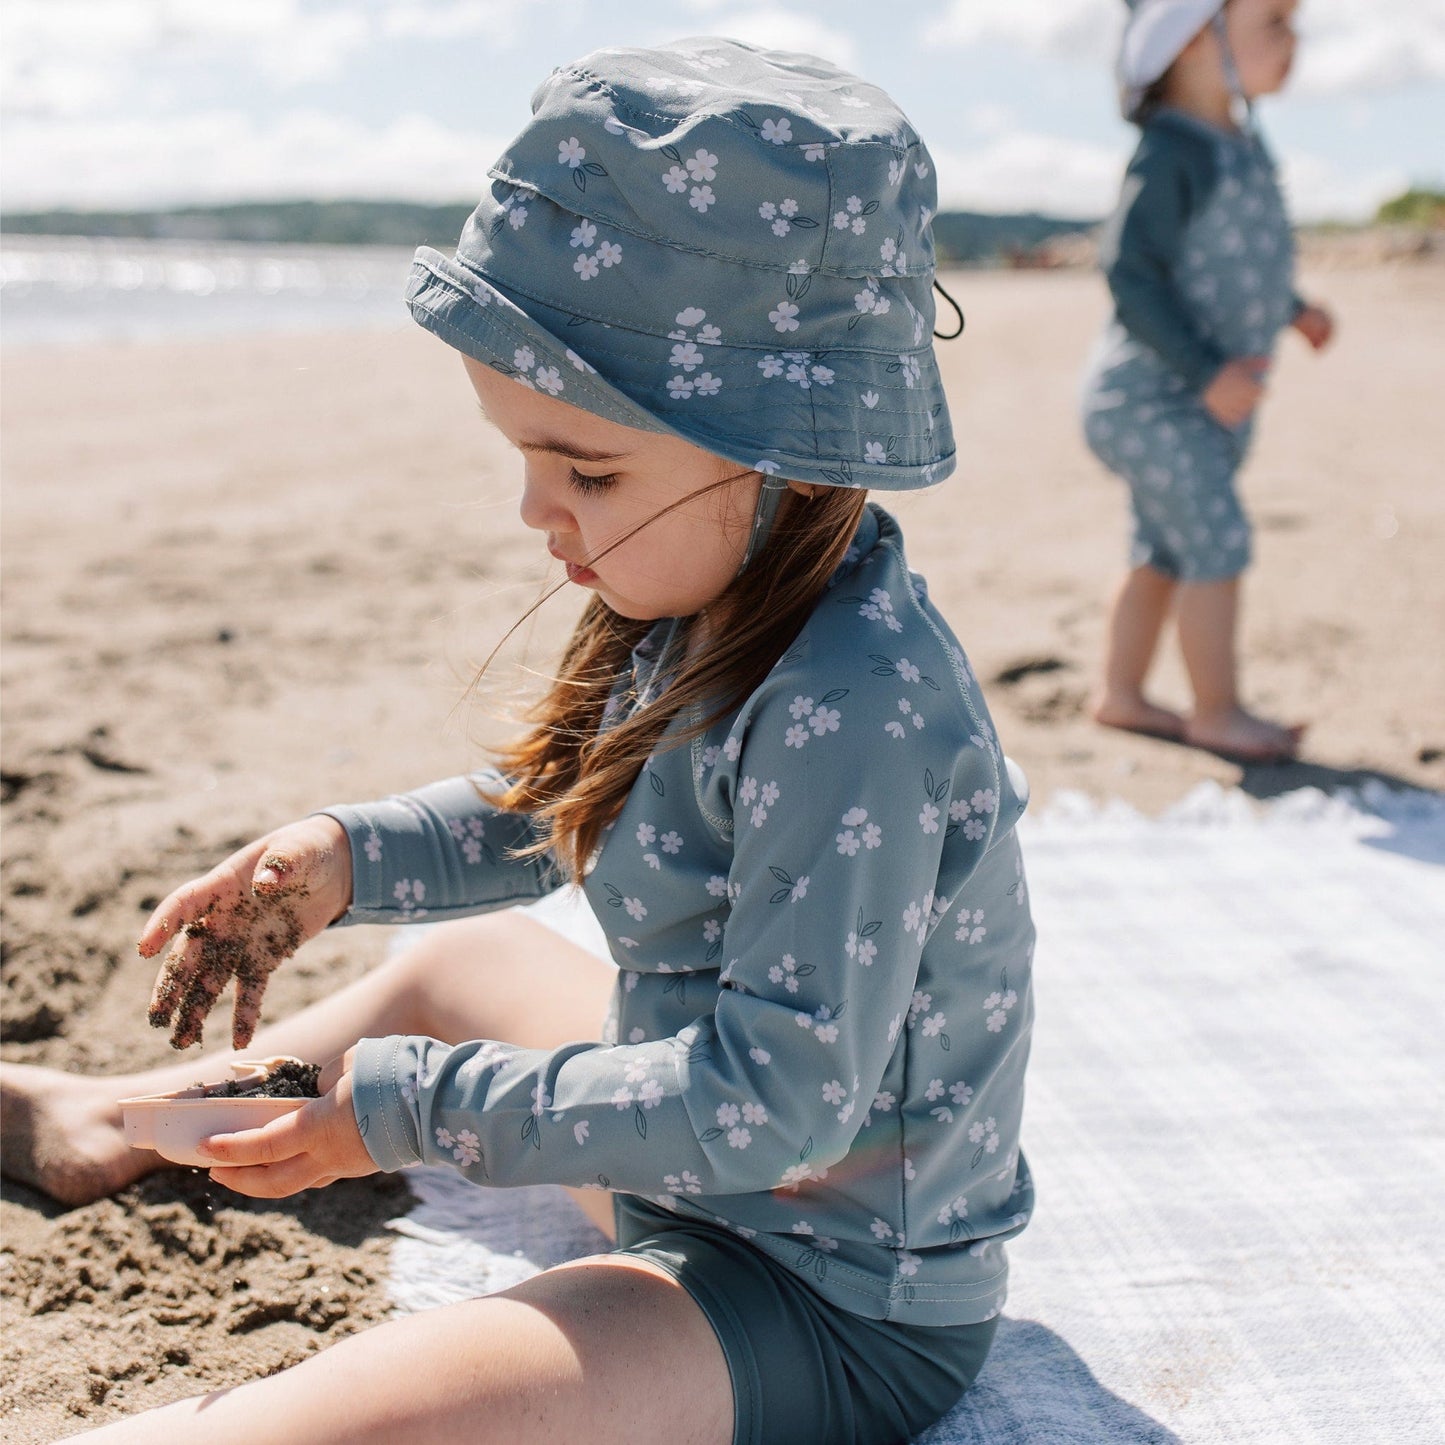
{"points": [[1200, 260], [822, 1015]]}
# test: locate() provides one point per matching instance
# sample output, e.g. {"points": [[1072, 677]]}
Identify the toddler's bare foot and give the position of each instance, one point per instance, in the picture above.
{"points": [[1137, 714], [62, 1134], [1243, 738]]}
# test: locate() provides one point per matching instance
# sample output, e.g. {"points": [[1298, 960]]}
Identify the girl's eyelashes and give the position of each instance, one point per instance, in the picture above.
{"points": [[583, 483]]}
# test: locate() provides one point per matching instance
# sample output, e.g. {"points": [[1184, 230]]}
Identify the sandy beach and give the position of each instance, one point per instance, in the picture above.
{"points": [[247, 578]]}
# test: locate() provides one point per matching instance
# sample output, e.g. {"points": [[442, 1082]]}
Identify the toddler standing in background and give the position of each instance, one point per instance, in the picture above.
{"points": [[1200, 263]]}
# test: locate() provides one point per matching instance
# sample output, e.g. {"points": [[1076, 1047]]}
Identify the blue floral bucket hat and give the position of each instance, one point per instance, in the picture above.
{"points": [[721, 242]]}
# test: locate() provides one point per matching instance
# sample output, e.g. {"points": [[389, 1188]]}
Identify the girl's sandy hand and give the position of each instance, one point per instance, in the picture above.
{"points": [[317, 1145], [1236, 390], [1316, 325], [242, 919]]}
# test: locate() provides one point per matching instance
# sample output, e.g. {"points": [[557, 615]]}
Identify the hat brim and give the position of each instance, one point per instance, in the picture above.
{"points": [[1154, 37], [467, 311]]}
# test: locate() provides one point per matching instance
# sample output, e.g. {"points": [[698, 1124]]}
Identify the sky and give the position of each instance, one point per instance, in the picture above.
{"points": [[138, 103]]}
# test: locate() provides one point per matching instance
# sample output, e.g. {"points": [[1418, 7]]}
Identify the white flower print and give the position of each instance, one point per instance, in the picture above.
{"points": [[580, 1131], [754, 1114], [874, 453], [708, 384], [468, 1150], [732, 750], [517, 217], [445, 1139], [824, 720], [956, 1209], [585, 266], [881, 1229], [373, 847], [747, 791], [798, 374], [635, 908], [686, 355], [767, 210], [690, 316], [610, 253], [701, 198], [770, 366], [859, 225], [928, 818], [834, 1092], [717, 886], [739, 1138], [675, 180], [840, 220], [702, 166], [933, 1025], [679, 388], [822, 375], [709, 335], [687, 1183], [908, 671], [711, 931], [869, 399], [985, 1134], [650, 1094], [570, 153], [524, 358], [779, 131], [984, 800], [813, 151], [579, 363], [785, 973], [800, 889], [872, 836], [783, 316], [584, 234], [971, 930], [728, 1115], [973, 830], [934, 1090], [671, 842], [847, 842], [894, 1027], [622, 1098], [908, 1263], [760, 1056], [921, 1002], [997, 1005], [549, 379], [960, 1093], [541, 1100], [646, 834], [796, 736]]}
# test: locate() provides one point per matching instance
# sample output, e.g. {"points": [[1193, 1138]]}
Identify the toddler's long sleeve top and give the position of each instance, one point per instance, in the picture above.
{"points": [[818, 913], [1198, 253]]}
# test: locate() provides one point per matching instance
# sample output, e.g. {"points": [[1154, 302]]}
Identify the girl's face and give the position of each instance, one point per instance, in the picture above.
{"points": [[1262, 37], [590, 482]]}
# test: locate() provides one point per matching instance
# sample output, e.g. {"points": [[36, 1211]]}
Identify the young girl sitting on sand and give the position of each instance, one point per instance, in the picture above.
{"points": [[1199, 259], [696, 297]]}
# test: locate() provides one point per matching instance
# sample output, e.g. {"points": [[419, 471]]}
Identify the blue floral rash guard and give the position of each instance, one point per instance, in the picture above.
{"points": [[822, 1013]]}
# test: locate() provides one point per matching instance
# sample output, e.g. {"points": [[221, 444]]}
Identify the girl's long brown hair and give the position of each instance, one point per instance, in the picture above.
{"points": [[574, 778]]}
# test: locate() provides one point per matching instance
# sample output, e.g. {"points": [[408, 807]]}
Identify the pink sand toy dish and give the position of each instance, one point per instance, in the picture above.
{"points": [[174, 1124]]}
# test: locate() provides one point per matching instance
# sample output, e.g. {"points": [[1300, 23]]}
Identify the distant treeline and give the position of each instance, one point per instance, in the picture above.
{"points": [[961, 236]]}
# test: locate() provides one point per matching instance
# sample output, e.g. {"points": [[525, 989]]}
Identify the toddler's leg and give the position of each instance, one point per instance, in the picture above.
{"points": [[1136, 619], [1208, 625], [501, 976], [610, 1351]]}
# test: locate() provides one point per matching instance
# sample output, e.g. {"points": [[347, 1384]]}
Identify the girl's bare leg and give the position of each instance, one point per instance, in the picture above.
{"points": [[1136, 619], [474, 979], [607, 1350], [1208, 624]]}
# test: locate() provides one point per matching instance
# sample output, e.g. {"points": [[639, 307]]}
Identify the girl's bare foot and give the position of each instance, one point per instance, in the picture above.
{"points": [[1136, 714], [62, 1134], [1243, 738]]}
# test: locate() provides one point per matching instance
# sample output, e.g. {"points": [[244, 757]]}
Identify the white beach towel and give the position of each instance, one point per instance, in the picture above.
{"points": [[1235, 1122]]}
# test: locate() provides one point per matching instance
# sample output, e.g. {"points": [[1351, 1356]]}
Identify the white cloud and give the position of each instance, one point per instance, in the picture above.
{"points": [[1318, 190], [779, 29], [501, 21], [1069, 29], [1347, 46], [223, 155], [1029, 171]]}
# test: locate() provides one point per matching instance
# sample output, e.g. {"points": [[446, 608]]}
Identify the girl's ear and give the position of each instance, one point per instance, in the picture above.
{"points": [[806, 490]]}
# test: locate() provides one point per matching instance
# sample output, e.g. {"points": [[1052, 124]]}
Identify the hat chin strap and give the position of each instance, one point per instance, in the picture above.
{"points": [[1231, 71], [766, 510]]}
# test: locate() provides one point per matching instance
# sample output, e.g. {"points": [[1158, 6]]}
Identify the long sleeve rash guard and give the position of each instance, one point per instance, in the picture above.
{"points": [[819, 917]]}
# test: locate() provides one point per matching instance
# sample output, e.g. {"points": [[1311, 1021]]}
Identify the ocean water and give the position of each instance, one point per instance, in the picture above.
{"points": [[68, 290]]}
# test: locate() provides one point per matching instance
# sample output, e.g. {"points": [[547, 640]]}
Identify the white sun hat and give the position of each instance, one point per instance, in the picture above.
{"points": [[1154, 35]]}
